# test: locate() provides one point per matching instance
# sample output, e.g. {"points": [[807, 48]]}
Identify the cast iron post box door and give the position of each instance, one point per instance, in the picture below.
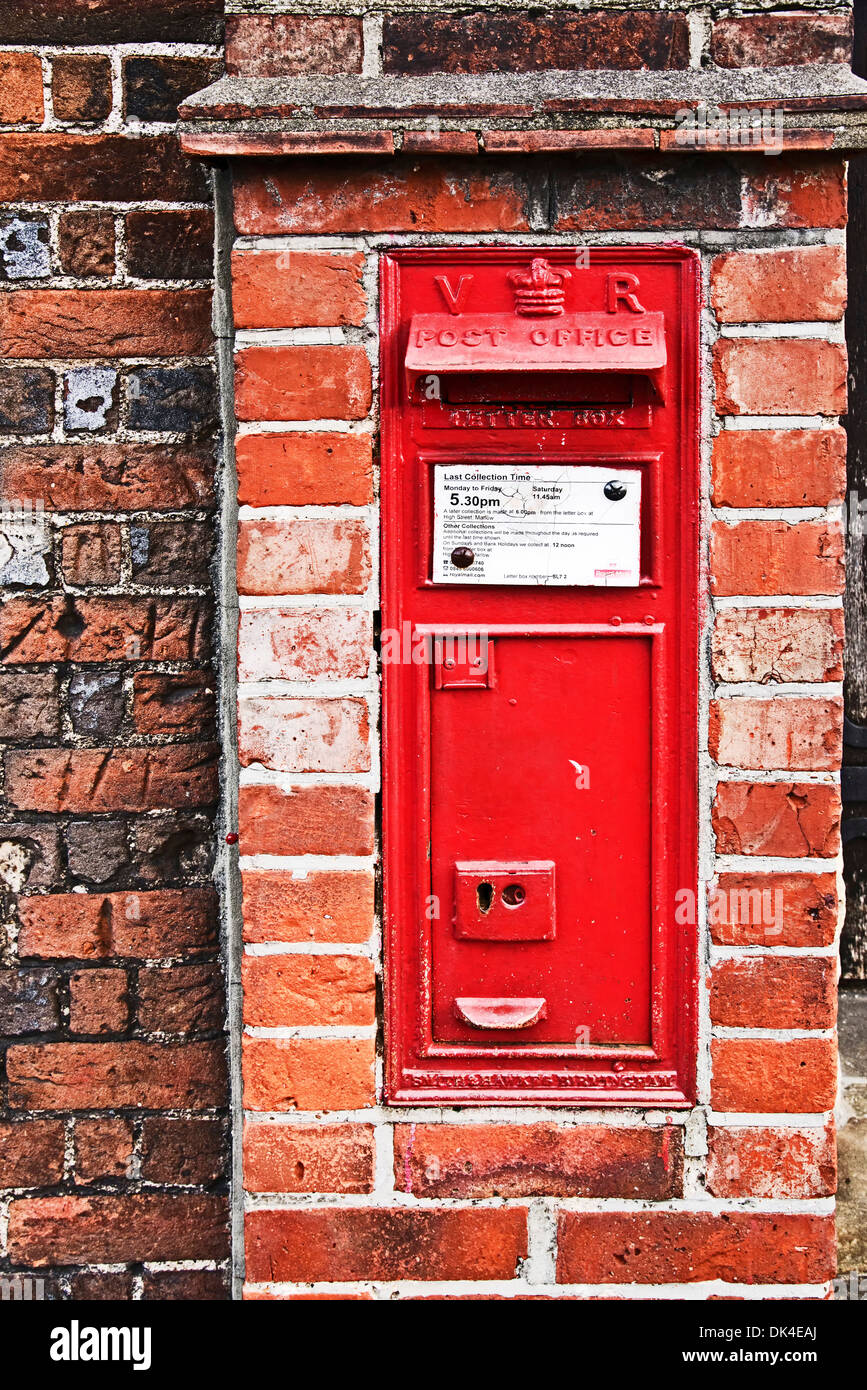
{"points": [[539, 655]]}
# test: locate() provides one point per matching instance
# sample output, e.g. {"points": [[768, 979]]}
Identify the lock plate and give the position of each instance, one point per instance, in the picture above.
{"points": [[512, 900]]}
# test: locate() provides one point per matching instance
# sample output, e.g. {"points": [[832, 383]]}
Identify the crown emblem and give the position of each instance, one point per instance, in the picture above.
{"points": [[537, 290]]}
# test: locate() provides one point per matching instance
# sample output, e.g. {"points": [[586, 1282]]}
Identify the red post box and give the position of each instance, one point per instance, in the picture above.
{"points": [[540, 626]]}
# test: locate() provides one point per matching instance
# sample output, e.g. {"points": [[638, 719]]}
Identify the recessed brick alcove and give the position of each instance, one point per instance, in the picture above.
{"points": [[347, 1195]]}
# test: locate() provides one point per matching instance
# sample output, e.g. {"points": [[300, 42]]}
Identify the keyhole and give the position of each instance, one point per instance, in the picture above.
{"points": [[485, 896], [513, 894]]}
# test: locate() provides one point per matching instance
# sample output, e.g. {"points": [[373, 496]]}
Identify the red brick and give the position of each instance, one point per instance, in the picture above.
{"points": [[308, 1158], [105, 323], [103, 168], [308, 1073], [98, 1001], [803, 734], [289, 45], [781, 40], [692, 1247], [183, 704], [777, 644], [104, 1076], [81, 87], [103, 1148], [180, 999], [809, 194], [104, 779], [743, 910], [779, 468], [551, 141], [339, 1243], [781, 1164], [87, 926], [533, 41], [302, 991], [64, 628], [46, 1231], [308, 820], [303, 556], [20, 89], [798, 1076], [91, 553], [329, 381], [774, 992], [177, 1150], [292, 289], [87, 243], [335, 195], [779, 376], [786, 819], [322, 906], [300, 470], [251, 1295], [803, 285], [31, 1153], [440, 142], [304, 644], [109, 477], [304, 735], [776, 557], [538, 1160]]}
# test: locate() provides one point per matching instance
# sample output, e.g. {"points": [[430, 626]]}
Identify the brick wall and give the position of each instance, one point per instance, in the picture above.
{"points": [[731, 1198], [112, 1077]]}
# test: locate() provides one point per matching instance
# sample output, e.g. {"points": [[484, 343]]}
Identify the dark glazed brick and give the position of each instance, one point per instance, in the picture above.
{"points": [[81, 88], [179, 399], [182, 1151], [618, 195], [87, 243], [191, 1285], [534, 41], [155, 87], [26, 400], [169, 849], [183, 999], [99, 1288], [97, 850], [171, 552], [29, 705], [110, 21], [170, 245], [28, 1002], [96, 703]]}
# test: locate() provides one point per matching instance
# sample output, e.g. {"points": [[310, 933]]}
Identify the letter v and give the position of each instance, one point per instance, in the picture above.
{"points": [[455, 299]]}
